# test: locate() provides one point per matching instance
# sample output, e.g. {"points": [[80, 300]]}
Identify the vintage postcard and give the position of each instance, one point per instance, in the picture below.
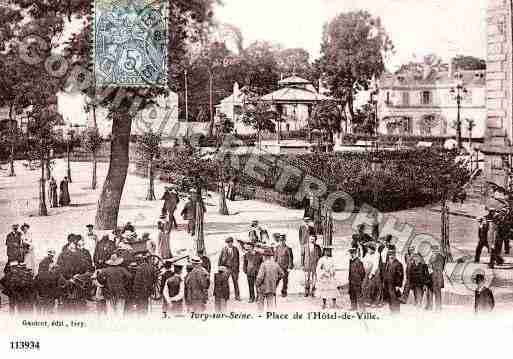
{"points": [[172, 170]]}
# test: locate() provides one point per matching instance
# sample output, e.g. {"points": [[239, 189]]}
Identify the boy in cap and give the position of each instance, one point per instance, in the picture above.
{"points": [[221, 289], [230, 259], [356, 278], [484, 301], [251, 264]]}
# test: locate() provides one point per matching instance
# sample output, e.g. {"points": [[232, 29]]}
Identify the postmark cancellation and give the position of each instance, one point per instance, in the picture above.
{"points": [[130, 42]]}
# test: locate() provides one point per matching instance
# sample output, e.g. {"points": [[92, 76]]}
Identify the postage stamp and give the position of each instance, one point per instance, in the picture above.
{"points": [[130, 42]]}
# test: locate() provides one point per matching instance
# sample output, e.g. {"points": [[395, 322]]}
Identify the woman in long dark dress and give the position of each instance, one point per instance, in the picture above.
{"points": [[53, 196], [64, 199]]}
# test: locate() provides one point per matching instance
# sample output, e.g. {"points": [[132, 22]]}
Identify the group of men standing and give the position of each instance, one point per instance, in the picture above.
{"points": [[494, 235]]}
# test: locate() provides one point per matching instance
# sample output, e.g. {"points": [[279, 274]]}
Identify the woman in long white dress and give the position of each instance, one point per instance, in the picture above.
{"points": [[28, 245], [326, 282]]}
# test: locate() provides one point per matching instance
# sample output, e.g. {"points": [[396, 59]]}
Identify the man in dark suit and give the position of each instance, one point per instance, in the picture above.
{"points": [[171, 201], [482, 233], [356, 277], [251, 265], [229, 258], [393, 277], [419, 278], [14, 245], [305, 231], [436, 265], [285, 259]]}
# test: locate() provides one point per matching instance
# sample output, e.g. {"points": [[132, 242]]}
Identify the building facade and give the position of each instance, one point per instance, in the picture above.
{"points": [[420, 102], [294, 100], [499, 89]]}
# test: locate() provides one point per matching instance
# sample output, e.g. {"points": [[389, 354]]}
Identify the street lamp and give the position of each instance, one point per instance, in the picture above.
{"points": [[68, 150], [458, 93]]}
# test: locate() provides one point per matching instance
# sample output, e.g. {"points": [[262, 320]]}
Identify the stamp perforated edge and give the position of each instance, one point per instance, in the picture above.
{"points": [[92, 42]]}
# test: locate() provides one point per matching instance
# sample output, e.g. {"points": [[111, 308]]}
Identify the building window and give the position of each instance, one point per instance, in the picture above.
{"points": [[426, 98], [406, 98], [387, 101]]}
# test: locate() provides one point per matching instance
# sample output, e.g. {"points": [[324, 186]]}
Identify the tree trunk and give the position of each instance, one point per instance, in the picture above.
{"points": [[150, 196], [11, 161], [47, 166], [42, 189], [93, 181], [108, 204], [95, 124], [12, 139]]}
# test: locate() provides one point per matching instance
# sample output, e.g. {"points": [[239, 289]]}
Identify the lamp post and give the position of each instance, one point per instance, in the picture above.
{"points": [[458, 93], [68, 150]]}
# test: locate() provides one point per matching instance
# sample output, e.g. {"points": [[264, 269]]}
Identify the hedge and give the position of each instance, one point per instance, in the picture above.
{"points": [[405, 179]]}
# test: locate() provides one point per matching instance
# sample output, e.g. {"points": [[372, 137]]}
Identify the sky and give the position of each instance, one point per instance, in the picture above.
{"points": [[444, 27], [417, 27]]}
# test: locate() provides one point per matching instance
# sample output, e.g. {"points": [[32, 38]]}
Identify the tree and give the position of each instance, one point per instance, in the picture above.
{"points": [[326, 116], [223, 127], [470, 127], [353, 51], [364, 120], [148, 146], [187, 21], [471, 63], [41, 137], [260, 116], [293, 61], [92, 142]]}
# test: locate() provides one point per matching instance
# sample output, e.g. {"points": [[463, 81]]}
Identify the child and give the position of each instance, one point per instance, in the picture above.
{"points": [[221, 289], [484, 301]]}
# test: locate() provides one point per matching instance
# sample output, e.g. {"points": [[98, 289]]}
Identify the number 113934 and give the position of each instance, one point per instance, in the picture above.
{"points": [[24, 345]]}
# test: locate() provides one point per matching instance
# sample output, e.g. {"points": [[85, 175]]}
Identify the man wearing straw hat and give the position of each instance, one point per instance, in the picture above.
{"points": [[267, 280], [197, 283]]}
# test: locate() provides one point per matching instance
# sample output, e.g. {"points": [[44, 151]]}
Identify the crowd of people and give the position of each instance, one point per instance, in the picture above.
{"points": [[105, 271], [119, 279]]}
